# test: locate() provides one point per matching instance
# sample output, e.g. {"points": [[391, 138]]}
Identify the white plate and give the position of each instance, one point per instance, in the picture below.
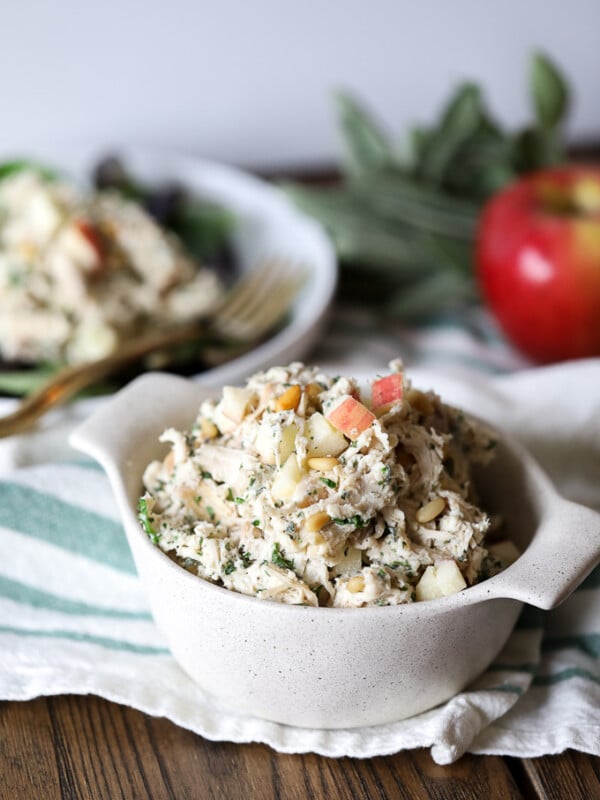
{"points": [[268, 226]]}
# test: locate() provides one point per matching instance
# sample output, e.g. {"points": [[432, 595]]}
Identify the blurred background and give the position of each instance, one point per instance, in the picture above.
{"points": [[251, 82]]}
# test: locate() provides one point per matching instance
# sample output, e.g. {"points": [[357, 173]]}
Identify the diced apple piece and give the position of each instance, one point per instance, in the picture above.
{"points": [[231, 410], [82, 243], [439, 580], [272, 447], [235, 402], [286, 480], [43, 216], [287, 443], [351, 417], [223, 423], [323, 439], [505, 551], [350, 564], [387, 391]]}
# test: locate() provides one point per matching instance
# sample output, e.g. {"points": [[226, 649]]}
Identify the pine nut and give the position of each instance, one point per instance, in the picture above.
{"points": [[322, 464], [431, 510], [289, 400], [356, 584], [208, 430], [313, 390], [317, 521]]}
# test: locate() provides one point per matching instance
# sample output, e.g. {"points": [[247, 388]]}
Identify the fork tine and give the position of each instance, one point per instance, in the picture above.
{"points": [[262, 292], [280, 304], [245, 288], [271, 301]]}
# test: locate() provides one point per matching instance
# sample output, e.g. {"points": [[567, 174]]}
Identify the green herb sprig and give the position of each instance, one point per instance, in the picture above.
{"points": [[405, 217]]}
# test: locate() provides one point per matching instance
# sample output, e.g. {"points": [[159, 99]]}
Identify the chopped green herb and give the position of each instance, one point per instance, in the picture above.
{"points": [[256, 523], [329, 482], [206, 475], [382, 573], [229, 568], [245, 556], [229, 495], [240, 500], [356, 520], [146, 520], [210, 512], [278, 558]]}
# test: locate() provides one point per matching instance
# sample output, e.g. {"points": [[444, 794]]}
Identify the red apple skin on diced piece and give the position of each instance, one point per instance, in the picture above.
{"points": [[91, 234], [387, 391], [351, 417]]}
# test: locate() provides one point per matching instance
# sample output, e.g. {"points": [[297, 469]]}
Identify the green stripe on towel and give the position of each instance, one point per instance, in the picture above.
{"points": [[82, 532], [28, 595], [565, 675], [102, 641], [588, 642]]}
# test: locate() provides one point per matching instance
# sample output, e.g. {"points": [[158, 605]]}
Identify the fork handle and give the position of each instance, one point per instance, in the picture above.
{"points": [[71, 380]]}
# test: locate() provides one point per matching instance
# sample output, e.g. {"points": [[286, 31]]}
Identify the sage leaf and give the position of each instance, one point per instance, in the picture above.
{"points": [[427, 296], [366, 146], [460, 121], [549, 91]]}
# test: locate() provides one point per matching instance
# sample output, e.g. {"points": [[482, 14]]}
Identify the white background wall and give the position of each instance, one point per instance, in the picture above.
{"points": [[250, 81]]}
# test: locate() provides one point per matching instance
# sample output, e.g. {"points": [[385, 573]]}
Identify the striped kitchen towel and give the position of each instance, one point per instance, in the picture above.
{"points": [[73, 618]]}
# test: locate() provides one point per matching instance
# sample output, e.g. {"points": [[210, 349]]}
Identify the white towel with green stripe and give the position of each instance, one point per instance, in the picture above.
{"points": [[73, 618]]}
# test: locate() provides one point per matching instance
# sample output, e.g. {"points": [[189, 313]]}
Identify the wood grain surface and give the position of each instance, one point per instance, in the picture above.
{"points": [[85, 748]]}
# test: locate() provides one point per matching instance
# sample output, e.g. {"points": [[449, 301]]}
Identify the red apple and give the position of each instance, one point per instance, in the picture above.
{"points": [[387, 391], [538, 262], [351, 417]]}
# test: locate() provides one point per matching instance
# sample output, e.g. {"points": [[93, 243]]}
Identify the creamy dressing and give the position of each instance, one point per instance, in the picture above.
{"points": [[266, 496]]}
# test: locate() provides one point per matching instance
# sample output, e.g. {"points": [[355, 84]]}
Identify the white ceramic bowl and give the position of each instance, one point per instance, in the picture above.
{"points": [[337, 668], [268, 226]]}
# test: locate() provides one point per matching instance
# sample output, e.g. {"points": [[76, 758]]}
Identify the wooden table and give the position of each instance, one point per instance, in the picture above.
{"points": [[75, 748]]}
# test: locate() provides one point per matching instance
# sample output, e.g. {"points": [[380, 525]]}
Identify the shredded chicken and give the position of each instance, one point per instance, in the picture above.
{"points": [[80, 273], [300, 489]]}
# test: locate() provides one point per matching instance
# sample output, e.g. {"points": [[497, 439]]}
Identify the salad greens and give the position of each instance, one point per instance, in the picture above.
{"points": [[405, 217]]}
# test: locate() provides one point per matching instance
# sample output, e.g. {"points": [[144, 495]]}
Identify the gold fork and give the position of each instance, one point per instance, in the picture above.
{"points": [[251, 308]]}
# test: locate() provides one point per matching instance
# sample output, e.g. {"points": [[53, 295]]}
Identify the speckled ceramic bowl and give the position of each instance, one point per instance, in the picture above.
{"points": [[337, 668]]}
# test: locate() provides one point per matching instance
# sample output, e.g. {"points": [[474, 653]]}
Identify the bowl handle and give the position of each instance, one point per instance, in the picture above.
{"points": [[136, 415], [566, 548]]}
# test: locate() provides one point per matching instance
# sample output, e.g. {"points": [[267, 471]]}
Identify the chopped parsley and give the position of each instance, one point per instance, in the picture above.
{"points": [[256, 523], [329, 482], [211, 513], [245, 557], [385, 475], [229, 495], [229, 568], [240, 500], [206, 475], [278, 558], [356, 520], [146, 520]]}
